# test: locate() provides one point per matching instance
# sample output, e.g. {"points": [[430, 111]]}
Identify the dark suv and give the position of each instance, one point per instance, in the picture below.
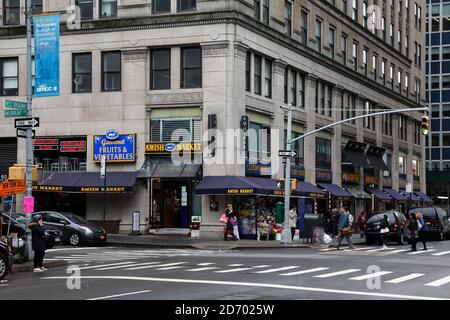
{"points": [[397, 227], [6, 259], [436, 220]]}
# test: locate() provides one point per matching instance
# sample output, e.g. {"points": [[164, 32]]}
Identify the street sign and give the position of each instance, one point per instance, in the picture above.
{"points": [[22, 133], [287, 153], [26, 122], [15, 113], [9, 187], [10, 104]]}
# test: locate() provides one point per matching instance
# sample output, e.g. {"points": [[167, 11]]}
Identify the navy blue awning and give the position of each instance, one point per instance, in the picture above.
{"points": [[380, 195], [336, 191], [396, 195], [216, 185], [424, 197], [411, 196], [307, 189]]}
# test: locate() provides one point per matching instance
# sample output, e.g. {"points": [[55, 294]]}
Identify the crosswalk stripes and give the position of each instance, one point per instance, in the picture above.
{"points": [[304, 271], [365, 248], [337, 273], [233, 270], [371, 275], [155, 266], [201, 269], [168, 268], [439, 282], [423, 251], [127, 265], [105, 265], [440, 253], [406, 278], [399, 250], [277, 269]]}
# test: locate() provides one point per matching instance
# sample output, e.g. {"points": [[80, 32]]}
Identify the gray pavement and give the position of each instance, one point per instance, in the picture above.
{"points": [[109, 273]]}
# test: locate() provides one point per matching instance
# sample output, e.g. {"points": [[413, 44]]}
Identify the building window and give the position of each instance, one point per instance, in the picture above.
{"points": [[416, 49], [446, 139], [355, 10], [323, 153], [387, 157], [248, 64], [175, 130], [304, 27], [293, 87], [383, 71], [331, 41], [348, 106], [418, 15], [324, 99], [387, 124], [445, 17], [344, 49], [391, 75], [191, 67], [257, 7], [301, 90], [407, 84], [445, 53], [318, 35], [415, 168], [364, 14], [417, 91], [344, 6], [160, 6], [355, 56], [11, 12], [36, 7], [81, 72], [160, 69], [417, 131], [375, 66], [446, 111], [266, 12], [108, 8], [446, 82], [365, 54], [257, 74], [258, 142], [406, 46], [369, 123], [383, 27], [111, 71], [399, 80], [391, 33], [9, 80], [268, 78], [86, 9], [419, 55], [402, 127], [435, 53], [399, 39], [435, 140], [435, 83], [186, 5], [435, 111], [401, 165], [288, 17]]}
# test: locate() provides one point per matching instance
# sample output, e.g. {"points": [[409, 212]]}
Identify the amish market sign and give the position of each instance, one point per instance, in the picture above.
{"points": [[240, 191], [167, 148], [116, 148], [82, 189]]}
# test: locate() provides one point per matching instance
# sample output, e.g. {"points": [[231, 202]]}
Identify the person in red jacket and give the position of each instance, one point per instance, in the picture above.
{"points": [[362, 222]]}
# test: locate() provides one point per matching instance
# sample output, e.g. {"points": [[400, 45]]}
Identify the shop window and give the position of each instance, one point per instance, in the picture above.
{"points": [[81, 72], [111, 71], [160, 69], [160, 6], [186, 5], [86, 9], [191, 67], [108, 8], [11, 12], [9, 78]]}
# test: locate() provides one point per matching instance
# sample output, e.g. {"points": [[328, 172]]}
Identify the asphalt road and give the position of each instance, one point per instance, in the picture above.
{"points": [[110, 273]]}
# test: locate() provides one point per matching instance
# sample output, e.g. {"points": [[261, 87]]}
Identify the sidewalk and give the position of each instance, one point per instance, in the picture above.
{"points": [[185, 242]]}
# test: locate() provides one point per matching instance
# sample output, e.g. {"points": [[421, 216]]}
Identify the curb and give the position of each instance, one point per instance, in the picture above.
{"points": [[150, 245], [201, 247], [28, 266]]}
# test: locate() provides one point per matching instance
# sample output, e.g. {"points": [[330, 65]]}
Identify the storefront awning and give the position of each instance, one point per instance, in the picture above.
{"points": [[357, 159], [87, 182], [307, 189], [424, 197], [336, 191], [231, 185], [380, 195], [167, 169], [377, 163], [396, 195], [356, 192], [411, 196]]}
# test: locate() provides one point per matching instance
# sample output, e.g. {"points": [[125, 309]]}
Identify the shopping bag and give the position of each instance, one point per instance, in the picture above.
{"points": [[327, 239], [223, 218]]}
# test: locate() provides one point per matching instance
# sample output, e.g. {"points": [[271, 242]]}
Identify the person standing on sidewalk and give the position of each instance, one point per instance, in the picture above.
{"points": [[293, 221], [38, 242], [344, 228]]}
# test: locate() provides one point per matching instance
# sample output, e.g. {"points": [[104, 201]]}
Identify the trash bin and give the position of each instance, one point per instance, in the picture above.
{"points": [[313, 221]]}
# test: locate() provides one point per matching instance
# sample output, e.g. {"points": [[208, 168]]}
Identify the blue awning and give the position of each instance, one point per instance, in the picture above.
{"points": [[336, 191], [217, 185], [410, 195], [307, 189], [380, 195], [396, 195], [424, 197]]}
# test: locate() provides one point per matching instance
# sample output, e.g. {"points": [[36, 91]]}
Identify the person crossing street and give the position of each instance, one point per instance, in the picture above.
{"points": [[345, 228]]}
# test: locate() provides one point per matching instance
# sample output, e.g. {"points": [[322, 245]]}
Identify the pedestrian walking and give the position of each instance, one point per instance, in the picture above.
{"points": [[362, 222], [344, 228], [384, 230], [38, 242], [422, 229], [334, 222], [413, 228], [293, 221], [229, 228]]}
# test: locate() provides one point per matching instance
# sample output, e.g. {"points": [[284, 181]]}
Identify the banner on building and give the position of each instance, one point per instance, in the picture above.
{"points": [[117, 149], [46, 45]]}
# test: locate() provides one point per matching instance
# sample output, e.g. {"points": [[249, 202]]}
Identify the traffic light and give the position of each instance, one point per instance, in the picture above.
{"points": [[425, 125]]}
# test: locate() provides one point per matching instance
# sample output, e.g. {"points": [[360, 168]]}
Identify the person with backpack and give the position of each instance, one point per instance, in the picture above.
{"points": [[384, 230], [413, 228], [422, 229], [345, 228]]}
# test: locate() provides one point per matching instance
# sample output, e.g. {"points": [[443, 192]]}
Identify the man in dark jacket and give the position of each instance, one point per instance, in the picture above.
{"points": [[39, 242]]}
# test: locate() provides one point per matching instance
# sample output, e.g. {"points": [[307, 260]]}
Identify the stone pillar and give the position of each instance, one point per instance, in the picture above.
{"points": [[336, 148], [409, 157], [379, 141], [395, 151], [310, 141], [360, 132]]}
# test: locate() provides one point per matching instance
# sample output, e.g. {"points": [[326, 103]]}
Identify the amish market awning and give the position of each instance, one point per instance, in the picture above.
{"points": [[396, 195], [336, 191], [87, 182], [167, 169], [424, 197], [411, 196], [307, 189], [221, 185], [356, 192], [380, 195]]}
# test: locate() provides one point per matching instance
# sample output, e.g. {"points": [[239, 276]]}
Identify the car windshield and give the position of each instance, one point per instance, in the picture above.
{"points": [[74, 218], [426, 212], [378, 217]]}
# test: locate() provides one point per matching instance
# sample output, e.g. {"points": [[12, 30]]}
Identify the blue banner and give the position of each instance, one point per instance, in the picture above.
{"points": [[118, 149], [46, 48]]}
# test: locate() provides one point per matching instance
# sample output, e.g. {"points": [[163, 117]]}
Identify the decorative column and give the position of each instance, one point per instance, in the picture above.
{"points": [[336, 148], [310, 141], [379, 141], [395, 151], [409, 157]]}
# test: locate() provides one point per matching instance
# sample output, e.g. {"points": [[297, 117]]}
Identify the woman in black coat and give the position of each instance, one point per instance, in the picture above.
{"points": [[39, 242]]}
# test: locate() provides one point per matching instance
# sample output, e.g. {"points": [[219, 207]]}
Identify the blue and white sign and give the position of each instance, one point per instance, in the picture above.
{"points": [[120, 149], [46, 46], [112, 134]]}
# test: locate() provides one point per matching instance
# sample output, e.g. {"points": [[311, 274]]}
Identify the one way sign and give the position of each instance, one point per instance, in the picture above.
{"points": [[22, 133], [26, 122]]}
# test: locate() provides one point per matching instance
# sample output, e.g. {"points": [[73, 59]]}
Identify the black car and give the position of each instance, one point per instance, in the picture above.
{"points": [[436, 220], [398, 231], [6, 259], [18, 226], [75, 229]]}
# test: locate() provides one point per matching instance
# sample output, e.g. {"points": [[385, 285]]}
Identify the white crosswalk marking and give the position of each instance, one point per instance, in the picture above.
{"points": [[205, 264], [399, 250], [406, 278], [364, 248], [423, 251], [371, 275], [262, 266], [327, 249], [337, 273], [168, 268], [277, 269], [439, 282], [155, 266], [202, 269], [233, 270], [440, 253], [106, 265], [236, 265], [128, 265], [379, 249], [304, 271]]}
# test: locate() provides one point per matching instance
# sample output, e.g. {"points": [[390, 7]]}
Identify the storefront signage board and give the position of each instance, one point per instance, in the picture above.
{"points": [[167, 148], [9, 187], [350, 177], [82, 189], [371, 180], [240, 191], [121, 149]]}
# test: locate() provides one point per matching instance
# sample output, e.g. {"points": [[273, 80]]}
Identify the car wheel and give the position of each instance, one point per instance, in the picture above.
{"points": [[401, 239], [3, 267], [74, 239]]}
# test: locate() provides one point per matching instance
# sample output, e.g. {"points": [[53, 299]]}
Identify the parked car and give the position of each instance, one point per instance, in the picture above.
{"points": [[437, 221], [75, 229], [18, 226], [6, 259], [397, 227]]}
